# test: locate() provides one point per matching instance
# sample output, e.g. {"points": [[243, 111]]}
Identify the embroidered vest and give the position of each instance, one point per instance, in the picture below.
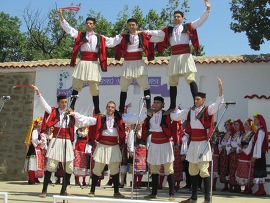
{"points": [[102, 50]]}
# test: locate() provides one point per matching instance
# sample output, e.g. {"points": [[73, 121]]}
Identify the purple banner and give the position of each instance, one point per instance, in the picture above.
{"points": [[154, 82]]}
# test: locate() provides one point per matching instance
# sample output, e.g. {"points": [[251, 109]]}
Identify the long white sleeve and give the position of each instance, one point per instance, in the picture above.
{"points": [[34, 138], [130, 141], [132, 118], [68, 29], [213, 108], [179, 114], [247, 150], [257, 151], [113, 41], [44, 104], [228, 146], [197, 23], [156, 35], [83, 121]]}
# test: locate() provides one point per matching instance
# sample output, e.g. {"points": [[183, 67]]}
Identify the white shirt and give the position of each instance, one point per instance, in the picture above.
{"points": [[257, 151], [194, 122], [156, 36], [91, 45], [63, 122], [183, 38]]}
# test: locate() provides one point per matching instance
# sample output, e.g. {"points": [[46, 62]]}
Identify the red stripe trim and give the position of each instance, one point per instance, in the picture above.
{"points": [[132, 56], [180, 49], [89, 56]]}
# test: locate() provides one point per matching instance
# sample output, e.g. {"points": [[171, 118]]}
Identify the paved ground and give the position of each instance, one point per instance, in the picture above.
{"points": [[20, 191]]}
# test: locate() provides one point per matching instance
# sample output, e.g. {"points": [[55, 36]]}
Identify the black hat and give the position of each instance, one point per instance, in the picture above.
{"points": [[200, 94], [159, 98], [61, 96]]}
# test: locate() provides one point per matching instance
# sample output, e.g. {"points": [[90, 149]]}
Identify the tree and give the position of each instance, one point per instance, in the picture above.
{"points": [[45, 38], [11, 39], [253, 18]]}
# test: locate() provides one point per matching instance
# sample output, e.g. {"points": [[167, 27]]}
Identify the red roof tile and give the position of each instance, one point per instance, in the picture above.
{"points": [[257, 96], [158, 61]]}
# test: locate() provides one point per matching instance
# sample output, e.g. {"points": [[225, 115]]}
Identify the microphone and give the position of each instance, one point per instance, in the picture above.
{"points": [[229, 102], [146, 97], [74, 96], [5, 97]]}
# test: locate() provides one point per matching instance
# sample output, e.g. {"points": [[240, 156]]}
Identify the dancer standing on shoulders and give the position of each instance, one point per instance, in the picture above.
{"points": [[181, 63]]}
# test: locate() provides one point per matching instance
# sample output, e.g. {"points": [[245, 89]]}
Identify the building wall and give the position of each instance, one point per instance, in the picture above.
{"points": [[239, 80], [15, 118]]}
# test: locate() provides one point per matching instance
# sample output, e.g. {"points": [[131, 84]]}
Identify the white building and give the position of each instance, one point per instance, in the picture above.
{"points": [[245, 81]]}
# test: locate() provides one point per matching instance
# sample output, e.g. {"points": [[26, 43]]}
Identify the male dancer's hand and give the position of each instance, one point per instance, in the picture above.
{"points": [[60, 14], [207, 4], [220, 87], [35, 88]]}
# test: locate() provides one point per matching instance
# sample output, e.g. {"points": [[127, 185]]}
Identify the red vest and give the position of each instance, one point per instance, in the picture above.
{"points": [[102, 53], [95, 131], [50, 120], [144, 43], [187, 29], [205, 119], [168, 126]]}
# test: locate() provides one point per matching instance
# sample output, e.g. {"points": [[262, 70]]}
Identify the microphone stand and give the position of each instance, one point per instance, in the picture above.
{"points": [[207, 145], [65, 152], [134, 153]]}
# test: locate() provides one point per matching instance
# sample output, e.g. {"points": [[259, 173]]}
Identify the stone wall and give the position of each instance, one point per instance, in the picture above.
{"points": [[15, 118]]}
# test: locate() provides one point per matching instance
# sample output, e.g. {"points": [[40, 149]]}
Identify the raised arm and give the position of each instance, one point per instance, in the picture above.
{"points": [[213, 108], [42, 101], [197, 23], [65, 25]]}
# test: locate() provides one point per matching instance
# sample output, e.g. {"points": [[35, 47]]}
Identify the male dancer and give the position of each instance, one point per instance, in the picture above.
{"points": [[181, 62], [160, 150], [132, 45], [60, 148], [199, 126], [92, 47], [107, 133]]}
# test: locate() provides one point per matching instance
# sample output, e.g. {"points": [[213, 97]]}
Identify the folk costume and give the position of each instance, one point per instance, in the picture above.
{"points": [[108, 132], [245, 168], [36, 145], [181, 62], [179, 156], [223, 156], [81, 161], [60, 147], [131, 47], [233, 152], [140, 150], [199, 126], [93, 60], [160, 151], [260, 148], [214, 143]]}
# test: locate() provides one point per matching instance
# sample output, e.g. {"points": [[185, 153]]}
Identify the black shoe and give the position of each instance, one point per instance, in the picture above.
{"points": [[31, 182], [121, 186], [186, 187]]}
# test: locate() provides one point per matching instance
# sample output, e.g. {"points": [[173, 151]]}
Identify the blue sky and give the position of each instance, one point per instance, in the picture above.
{"points": [[215, 34]]}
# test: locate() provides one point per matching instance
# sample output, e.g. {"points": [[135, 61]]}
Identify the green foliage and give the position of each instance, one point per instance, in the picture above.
{"points": [[11, 39], [253, 18]]}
